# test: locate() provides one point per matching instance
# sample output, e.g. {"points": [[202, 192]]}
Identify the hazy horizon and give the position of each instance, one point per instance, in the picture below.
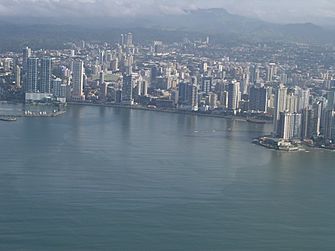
{"points": [[285, 11]]}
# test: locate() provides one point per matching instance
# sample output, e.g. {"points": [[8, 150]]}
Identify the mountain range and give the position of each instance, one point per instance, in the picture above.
{"points": [[215, 22]]}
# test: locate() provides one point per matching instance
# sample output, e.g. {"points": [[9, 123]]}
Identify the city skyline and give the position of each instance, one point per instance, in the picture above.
{"points": [[296, 95], [166, 125]]}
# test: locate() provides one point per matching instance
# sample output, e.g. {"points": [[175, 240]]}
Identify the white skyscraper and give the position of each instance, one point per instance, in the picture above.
{"points": [[18, 76], [234, 95], [289, 126], [303, 102], [270, 72], [291, 103], [129, 39], [279, 105]]}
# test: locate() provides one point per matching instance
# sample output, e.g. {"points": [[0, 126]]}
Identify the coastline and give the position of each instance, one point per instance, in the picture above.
{"points": [[280, 145], [176, 111], [22, 112]]}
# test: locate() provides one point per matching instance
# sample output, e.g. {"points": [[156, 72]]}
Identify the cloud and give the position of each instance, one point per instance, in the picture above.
{"points": [[273, 10], [91, 7], [283, 10]]}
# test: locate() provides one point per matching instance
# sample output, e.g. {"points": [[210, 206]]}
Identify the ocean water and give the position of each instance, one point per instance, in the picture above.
{"points": [[117, 179]]}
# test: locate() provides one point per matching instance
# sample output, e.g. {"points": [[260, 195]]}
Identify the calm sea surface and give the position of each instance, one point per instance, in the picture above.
{"points": [[117, 179]]}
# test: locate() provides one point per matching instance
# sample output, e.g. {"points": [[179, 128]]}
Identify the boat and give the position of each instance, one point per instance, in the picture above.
{"points": [[8, 119]]}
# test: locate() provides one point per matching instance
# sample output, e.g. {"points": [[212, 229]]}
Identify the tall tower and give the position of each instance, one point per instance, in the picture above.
{"points": [[245, 82], [234, 95], [77, 80], [317, 110], [58, 88], [289, 126], [129, 40], [102, 57], [188, 96], [18, 76], [270, 72], [144, 87], [303, 99], [331, 99], [46, 74], [279, 105], [194, 97], [31, 77], [101, 78], [206, 84], [26, 53], [122, 39], [258, 99], [127, 90]]}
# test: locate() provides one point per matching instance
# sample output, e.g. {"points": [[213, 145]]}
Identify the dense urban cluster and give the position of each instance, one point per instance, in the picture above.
{"points": [[290, 85]]}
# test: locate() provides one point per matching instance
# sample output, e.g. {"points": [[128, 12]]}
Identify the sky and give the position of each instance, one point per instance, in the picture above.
{"points": [[283, 11]]}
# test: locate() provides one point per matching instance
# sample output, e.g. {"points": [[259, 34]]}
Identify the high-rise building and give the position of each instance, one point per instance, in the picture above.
{"points": [[303, 99], [114, 65], [245, 82], [204, 67], [144, 87], [137, 89], [18, 76], [283, 78], [284, 126], [83, 44], [46, 75], [329, 125], [331, 99], [306, 119], [122, 39], [258, 99], [317, 116], [77, 80], [207, 40], [26, 53], [158, 47], [206, 84], [103, 91], [270, 72], [296, 119], [212, 99], [188, 96], [129, 39], [254, 74], [224, 99], [279, 106], [101, 57], [291, 103], [58, 88], [101, 78], [127, 89], [289, 126], [31, 84], [234, 95]]}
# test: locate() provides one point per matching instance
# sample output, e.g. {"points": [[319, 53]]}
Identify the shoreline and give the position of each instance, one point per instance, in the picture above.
{"points": [[280, 145], [176, 111], [34, 115]]}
